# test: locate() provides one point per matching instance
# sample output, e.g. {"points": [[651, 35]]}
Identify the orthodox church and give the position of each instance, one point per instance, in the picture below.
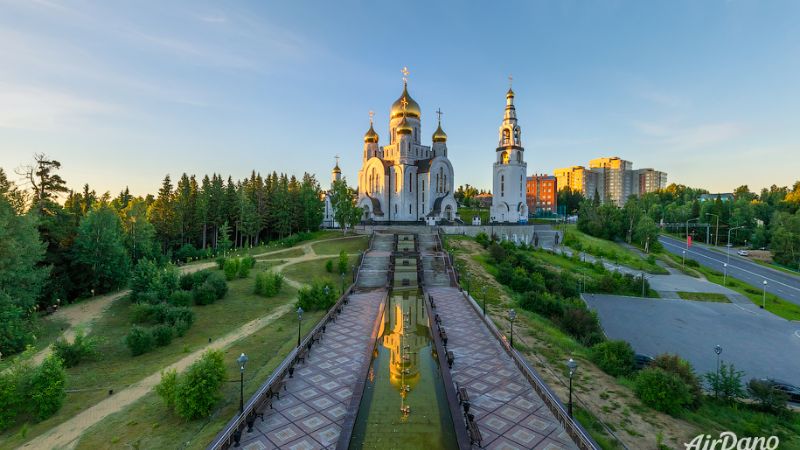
{"points": [[510, 170], [406, 181]]}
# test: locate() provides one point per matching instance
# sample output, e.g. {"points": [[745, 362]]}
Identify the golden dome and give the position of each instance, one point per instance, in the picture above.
{"points": [[371, 136], [412, 108], [510, 93], [336, 168], [403, 127], [439, 135]]}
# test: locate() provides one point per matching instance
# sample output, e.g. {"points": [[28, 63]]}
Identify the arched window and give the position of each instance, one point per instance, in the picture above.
{"points": [[516, 136], [505, 157], [520, 185], [506, 136], [502, 185], [409, 182]]}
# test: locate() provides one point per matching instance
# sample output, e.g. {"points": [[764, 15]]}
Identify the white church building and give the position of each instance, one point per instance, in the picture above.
{"points": [[405, 181], [510, 170]]}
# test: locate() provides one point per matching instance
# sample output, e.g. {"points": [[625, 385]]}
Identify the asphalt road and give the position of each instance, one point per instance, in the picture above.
{"points": [[756, 342], [782, 284]]}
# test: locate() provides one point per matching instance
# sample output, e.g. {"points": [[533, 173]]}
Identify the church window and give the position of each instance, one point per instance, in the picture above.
{"points": [[505, 157], [516, 136], [409, 209], [423, 185], [395, 208], [410, 183], [519, 157], [506, 137], [502, 185]]}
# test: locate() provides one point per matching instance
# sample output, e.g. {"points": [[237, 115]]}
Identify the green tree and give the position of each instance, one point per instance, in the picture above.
{"points": [[46, 184], [785, 242], [161, 214], [726, 384], [646, 234], [100, 251], [198, 389], [45, 389], [343, 201], [224, 241], [140, 234]]}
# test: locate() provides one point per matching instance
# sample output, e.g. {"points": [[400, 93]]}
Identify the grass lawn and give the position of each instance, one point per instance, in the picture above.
{"points": [[308, 271], [89, 382], [704, 297], [293, 252], [147, 423], [467, 214], [611, 251], [47, 331], [334, 246]]}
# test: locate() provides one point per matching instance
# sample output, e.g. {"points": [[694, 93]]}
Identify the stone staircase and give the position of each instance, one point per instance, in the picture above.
{"points": [[375, 268]]}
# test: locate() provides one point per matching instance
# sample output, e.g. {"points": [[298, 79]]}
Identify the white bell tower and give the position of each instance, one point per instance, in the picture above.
{"points": [[510, 170]]}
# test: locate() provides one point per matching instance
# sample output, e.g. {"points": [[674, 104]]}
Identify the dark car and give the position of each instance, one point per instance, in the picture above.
{"points": [[791, 391], [642, 361]]}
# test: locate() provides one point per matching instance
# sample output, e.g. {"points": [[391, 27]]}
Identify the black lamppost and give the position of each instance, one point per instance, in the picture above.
{"points": [[242, 360], [484, 300], [573, 367], [764, 298], [300, 318], [718, 351], [512, 316]]}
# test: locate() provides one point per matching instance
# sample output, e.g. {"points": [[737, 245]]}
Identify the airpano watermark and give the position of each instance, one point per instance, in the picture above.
{"points": [[728, 440]]}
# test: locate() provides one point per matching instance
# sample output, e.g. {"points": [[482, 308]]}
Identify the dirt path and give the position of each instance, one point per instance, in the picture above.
{"points": [[595, 390], [67, 433]]}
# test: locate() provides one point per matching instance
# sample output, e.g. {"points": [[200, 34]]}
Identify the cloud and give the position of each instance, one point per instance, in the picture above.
{"points": [[34, 108], [689, 136]]}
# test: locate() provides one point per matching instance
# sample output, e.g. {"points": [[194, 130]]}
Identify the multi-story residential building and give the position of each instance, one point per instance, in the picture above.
{"points": [[573, 177], [647, 180], [541, 194], [616, 181]]}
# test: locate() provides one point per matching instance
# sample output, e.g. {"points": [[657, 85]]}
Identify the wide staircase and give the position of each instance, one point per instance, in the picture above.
{"points": [[375, 267]]}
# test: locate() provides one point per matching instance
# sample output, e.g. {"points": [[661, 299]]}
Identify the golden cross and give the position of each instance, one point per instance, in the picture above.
{"points": [[337, 160], [404, 102], [510, 80], [405, 73], [439, 113], [371, 114]]}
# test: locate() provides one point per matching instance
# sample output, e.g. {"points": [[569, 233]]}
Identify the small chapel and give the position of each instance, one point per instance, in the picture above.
{"points": [[404, 180]]}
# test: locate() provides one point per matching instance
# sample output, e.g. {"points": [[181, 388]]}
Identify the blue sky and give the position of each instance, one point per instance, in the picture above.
{"points": [[124, 92]]}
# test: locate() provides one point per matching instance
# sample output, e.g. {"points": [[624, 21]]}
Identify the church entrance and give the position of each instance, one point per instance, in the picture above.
{"points": [[448, 212]]}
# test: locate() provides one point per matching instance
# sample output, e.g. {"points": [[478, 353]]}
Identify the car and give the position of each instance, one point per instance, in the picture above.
{"points": [[641, 361], [743, 253], [792, 392]]}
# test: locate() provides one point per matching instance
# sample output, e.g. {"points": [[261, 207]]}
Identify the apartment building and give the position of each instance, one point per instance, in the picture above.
{"points": [[541, 194]]}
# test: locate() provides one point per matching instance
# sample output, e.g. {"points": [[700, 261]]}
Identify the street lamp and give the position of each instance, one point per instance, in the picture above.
{"points": [[512, 316], [300, 318], [716, 232], [242, 360], [764, 297], [684, 259], [573, 367], [342, 275], [687, 230], [725, 274], [484, 301], [728, 246], [718, 351]]}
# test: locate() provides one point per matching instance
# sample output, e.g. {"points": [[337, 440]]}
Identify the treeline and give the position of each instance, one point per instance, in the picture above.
{"points": [[52, 253], [770, 219]]}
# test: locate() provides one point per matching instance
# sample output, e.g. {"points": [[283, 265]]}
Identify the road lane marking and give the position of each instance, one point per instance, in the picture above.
{"points": [[731, 266]]}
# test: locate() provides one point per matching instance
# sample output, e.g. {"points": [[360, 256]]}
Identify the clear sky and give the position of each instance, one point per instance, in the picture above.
{"points": [[124, 92]]}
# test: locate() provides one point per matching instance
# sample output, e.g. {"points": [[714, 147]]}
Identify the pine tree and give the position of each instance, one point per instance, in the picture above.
{"points": [[100, 251], [162, 215]]}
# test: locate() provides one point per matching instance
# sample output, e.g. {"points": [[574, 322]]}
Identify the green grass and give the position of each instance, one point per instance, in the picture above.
{"points": [[308, 271], [611, 251], [117, 369], [334, 246], [774, 304], [596, 430], [147, 423], [715, 416], [293, 252], [704, 297], [467, 214], [776, 266]]}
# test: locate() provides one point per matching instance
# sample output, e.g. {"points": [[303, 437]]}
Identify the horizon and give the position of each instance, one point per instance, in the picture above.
{"points": [[123, 95]]}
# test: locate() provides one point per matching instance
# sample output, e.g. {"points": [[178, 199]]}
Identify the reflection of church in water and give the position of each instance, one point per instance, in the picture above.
{"points": [[405, 334]]}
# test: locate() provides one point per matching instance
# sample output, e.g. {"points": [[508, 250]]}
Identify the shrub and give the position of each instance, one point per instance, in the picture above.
{"points": [[81, 348], [148, 277], [542, 303], [268, 284], [728, 383], [614, 357], [483, 239], [204, 294], [769, 398], [186, 253], [342, 262], [180, 298], [181, 327], [662, 390], [168, 386], [217, 281], [45, 390], [497, 252], [231, 268], [313, 297], [186, 281], [149, 298], [221, 262], [329, 266], [683, 369], [10, 395], [582, 324], [692, 263], [162, 334], [198, 389], [244, 270], [175, 314], [249, 261], [139, 340]]}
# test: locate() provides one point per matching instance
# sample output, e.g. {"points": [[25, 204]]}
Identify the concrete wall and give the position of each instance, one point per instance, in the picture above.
{"points": [[517, 233]]}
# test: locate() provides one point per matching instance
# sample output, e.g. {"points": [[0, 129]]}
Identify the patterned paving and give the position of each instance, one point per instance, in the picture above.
{"points": [[509, 413], [310, 413]]}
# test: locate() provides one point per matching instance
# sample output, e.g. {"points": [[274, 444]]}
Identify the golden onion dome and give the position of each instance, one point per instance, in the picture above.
{"points": [[411, 109], [336, 169], [371, 136], [403, 127], [510, 93], [439, 135]]}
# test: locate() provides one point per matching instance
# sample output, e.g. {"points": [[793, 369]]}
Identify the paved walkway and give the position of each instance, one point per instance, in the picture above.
{"points": [[509, 413], [310, 413]]}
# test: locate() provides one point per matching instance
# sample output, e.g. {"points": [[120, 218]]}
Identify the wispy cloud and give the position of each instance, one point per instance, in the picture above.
{"points": [[34, 108], [689, 137]]}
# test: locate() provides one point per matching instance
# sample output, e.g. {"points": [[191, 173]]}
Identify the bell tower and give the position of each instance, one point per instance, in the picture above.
{"points": [[510, 169]]}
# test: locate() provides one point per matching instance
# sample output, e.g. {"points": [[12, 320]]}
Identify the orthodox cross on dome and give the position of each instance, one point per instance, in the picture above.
{"points": [[337, 160], [405, 73], [439, 113], [404, 102], [510, 81], [371, 115]]}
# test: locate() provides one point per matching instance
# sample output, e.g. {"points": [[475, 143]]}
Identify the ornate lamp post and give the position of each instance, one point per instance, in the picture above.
{"points": [[718, 351], [300, 319], [573, 367], [764, 297], [725, 274], [512, 316], [242, 360], [684, 260], [484, 300]]}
